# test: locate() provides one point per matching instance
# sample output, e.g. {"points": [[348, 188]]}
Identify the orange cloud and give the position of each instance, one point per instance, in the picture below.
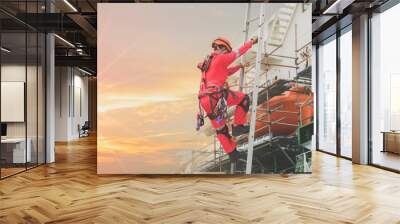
{"points": [[112, 102]]}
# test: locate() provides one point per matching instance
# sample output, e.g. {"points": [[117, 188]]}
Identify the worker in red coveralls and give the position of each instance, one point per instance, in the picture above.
{"points": [[215, 95]]}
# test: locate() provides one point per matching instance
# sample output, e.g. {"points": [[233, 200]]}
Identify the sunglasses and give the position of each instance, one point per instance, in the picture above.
{"points": [[220, 46]]}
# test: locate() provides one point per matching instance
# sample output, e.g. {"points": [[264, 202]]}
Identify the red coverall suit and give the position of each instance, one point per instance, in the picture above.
{"points": [[213, 81]]}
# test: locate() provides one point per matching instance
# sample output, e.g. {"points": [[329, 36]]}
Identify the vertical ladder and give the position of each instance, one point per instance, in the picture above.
{"points": [[241, 78], [246, 36], [253, 119]]}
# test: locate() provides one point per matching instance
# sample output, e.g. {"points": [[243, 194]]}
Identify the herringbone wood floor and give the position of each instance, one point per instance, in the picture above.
{"points": [[69, 191]]}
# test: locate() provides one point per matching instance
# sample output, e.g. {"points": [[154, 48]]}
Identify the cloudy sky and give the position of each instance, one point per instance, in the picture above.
{"points": [[148, 80]]}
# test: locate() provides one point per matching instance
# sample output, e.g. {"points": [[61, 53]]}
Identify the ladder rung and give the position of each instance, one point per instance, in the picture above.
{"points": [[286, 9], [284, 22], [275, 44], [252, 20], [281, 29], [278, 32], [285, 19], [286, 13], [276, 38]]}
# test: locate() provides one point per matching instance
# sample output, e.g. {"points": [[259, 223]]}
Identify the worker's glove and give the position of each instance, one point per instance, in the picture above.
{"points": [[254, 40], [245, 65]]}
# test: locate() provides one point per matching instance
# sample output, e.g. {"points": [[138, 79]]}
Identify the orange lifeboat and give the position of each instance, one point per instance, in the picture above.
{"points": [[287, 110]]}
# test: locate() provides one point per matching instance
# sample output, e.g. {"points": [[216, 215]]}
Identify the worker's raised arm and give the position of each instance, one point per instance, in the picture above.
{"points": [[232, 70], [228, 58]]}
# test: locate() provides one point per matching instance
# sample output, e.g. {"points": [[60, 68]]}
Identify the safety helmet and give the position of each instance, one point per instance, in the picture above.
{"points": [[222, 41]]}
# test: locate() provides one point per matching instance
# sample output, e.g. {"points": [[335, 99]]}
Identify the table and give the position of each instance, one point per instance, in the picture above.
{"points": [[391, 141], [17, 151]]}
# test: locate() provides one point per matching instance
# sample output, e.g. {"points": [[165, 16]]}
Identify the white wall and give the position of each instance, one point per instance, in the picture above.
{"points": [[71, 94], [14, 73], [301, 19], [80, 109], [62, 82]]}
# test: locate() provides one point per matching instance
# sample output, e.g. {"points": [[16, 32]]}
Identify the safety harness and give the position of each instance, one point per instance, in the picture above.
{"points": [[217, 93]]}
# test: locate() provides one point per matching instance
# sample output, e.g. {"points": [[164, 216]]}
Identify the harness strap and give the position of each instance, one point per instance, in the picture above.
{"points": [[212, 90], [205, 64], [223, 131], [245, 103], [211, 115], [218, 108]]}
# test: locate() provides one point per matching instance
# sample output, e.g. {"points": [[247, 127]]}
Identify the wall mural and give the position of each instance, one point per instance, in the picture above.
{"points": [[192, 89]]}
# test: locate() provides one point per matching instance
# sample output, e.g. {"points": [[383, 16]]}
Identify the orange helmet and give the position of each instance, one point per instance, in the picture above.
{"points": [[222, 41]]}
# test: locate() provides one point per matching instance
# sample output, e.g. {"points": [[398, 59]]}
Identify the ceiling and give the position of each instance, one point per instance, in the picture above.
{"points": [[75, 22], [332, 15]]}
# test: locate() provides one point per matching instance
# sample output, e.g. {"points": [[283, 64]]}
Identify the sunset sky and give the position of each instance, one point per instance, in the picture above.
{"points": [[148, 80]]}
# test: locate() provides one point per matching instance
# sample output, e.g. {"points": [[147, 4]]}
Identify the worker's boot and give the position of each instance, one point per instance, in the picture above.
{"points": [[238, 130], [234, 156]]}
